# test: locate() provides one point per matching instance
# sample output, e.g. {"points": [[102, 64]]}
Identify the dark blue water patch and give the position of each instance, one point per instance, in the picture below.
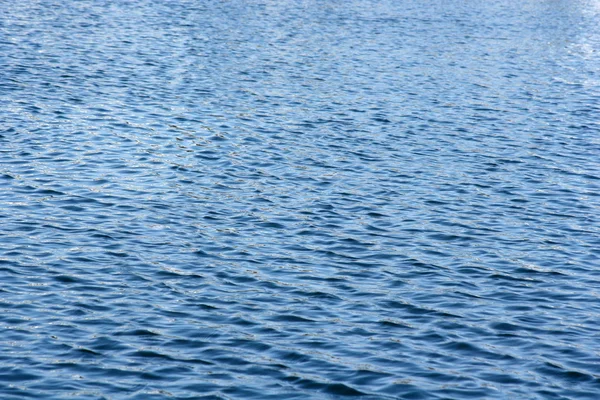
{"points": [[299, 200]]}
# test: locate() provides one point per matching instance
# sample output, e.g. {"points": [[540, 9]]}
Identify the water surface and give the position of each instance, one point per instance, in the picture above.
{"points": [[312, 199]]}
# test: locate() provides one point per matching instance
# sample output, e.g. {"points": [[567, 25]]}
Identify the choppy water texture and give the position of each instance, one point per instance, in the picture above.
{"points": [[312, 199]]}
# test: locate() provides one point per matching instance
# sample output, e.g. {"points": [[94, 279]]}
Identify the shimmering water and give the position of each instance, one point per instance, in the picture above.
{"points": [[313, 199]]}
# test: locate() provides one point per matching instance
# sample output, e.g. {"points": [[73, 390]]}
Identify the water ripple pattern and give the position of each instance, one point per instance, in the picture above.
{"points": [[268, 199]]}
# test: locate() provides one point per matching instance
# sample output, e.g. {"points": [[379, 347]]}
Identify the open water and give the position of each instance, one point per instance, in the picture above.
{"points": [[268, 199]]}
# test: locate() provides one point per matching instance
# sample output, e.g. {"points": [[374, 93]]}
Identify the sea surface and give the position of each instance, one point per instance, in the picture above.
{"points": [[269, 199]]}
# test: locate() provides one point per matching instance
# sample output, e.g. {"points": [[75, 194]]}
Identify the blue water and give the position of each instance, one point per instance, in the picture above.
{"points": [[267, 199]]}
